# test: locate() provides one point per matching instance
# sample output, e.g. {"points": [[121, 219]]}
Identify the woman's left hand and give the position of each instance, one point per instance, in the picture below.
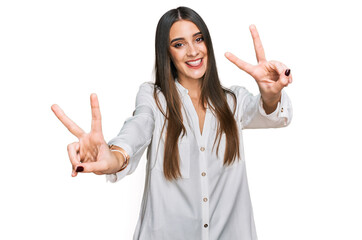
{"points": [[271, 76]]}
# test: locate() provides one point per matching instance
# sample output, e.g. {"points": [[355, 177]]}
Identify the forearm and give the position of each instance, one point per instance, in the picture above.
{"points": [[270, 102]]}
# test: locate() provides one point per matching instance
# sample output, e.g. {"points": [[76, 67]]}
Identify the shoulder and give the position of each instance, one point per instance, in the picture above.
{"points": [[146, 88], [239, 92], [146, 96], [237, 95], [149, 88]]}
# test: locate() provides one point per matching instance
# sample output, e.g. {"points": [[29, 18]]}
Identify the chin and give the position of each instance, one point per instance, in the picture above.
{"points": [[196, 75]]}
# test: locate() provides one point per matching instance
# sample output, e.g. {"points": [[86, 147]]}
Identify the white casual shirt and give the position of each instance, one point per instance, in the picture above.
{"points": [[210, 202]]}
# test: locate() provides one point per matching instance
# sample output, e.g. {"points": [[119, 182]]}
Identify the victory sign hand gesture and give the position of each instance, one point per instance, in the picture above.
{"points": [[271, 76], [91, 153]]}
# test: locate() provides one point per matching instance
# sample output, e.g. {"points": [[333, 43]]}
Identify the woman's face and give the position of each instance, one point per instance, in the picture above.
{"points": [[188, 50]]}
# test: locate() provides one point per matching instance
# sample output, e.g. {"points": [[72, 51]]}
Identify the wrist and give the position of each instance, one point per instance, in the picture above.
{"points": [[121, 156], [270, 103]]}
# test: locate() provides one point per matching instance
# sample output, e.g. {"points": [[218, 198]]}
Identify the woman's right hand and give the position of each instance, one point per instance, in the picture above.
{"points": [[91, 153]]}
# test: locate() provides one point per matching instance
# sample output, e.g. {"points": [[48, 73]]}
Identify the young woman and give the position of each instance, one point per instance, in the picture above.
{"points": [[196, 185]]}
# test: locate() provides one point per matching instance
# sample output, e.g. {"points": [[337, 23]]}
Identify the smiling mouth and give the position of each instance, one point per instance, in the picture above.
{"points": [[194, 63]]}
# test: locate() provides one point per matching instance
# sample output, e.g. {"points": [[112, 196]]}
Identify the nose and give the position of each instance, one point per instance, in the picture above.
{"points": [[192, 50]]}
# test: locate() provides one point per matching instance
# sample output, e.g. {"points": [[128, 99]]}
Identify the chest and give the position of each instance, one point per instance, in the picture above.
{"points": [[201, 113]]}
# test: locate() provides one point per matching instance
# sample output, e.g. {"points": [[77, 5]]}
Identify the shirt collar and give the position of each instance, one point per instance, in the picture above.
{"points": [[183, 91]]}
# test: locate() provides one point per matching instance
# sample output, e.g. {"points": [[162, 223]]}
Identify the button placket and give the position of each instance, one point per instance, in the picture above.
{"points": [[202, 141], [204, 191]]}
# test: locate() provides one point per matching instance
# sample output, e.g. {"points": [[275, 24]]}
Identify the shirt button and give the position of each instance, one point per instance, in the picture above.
{"points": [[203, 174], [282, 110], [205, 199], [202, 149], [205, 225]]}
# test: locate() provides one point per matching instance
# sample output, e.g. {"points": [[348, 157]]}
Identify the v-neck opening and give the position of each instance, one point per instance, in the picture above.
{"points": [[201, 134], [198, 119], [203, 124]]}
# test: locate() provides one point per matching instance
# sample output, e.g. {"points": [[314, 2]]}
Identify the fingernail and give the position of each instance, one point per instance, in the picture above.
{"points": [[79, 169], [287, 72]]}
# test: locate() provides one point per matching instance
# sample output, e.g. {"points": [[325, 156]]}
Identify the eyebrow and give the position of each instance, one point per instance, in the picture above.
{"points": [[176, 39]]}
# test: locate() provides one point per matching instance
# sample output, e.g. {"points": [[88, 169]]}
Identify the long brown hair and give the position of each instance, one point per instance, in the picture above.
{"points": [[212, 93]]}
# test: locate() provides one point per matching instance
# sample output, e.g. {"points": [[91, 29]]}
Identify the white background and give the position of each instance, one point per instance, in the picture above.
{"points": [[305, 180]]}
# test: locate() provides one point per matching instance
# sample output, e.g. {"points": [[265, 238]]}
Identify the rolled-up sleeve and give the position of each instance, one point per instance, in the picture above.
{"points": [[136, 133], [251, 114]]}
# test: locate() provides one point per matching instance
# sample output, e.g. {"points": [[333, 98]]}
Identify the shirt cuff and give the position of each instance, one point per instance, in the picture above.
{"points": [[281, 110]]}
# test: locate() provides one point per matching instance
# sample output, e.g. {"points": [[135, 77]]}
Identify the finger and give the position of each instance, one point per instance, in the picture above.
{"points": [[288, 73], [67, 122], [73, 153], [247, 67], [91, 167], [259, 50], [282, 70], [96, 114]]}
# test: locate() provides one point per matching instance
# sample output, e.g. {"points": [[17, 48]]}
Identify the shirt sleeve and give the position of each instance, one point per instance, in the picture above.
{"points": [[137, 131], [251, 114]]}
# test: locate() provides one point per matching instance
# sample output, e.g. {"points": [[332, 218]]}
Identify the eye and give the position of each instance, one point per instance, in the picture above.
{"points": [[199, 39], [177, 45]]}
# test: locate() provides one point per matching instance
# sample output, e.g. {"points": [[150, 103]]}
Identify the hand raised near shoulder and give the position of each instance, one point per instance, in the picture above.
{"points": [[271, 76], [91, 153]]}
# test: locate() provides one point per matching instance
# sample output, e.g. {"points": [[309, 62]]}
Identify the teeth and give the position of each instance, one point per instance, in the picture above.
{"points": [[194, 63]]}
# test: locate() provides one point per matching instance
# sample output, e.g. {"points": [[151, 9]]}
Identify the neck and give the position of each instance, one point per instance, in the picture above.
{"points": [[193, 86]]}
